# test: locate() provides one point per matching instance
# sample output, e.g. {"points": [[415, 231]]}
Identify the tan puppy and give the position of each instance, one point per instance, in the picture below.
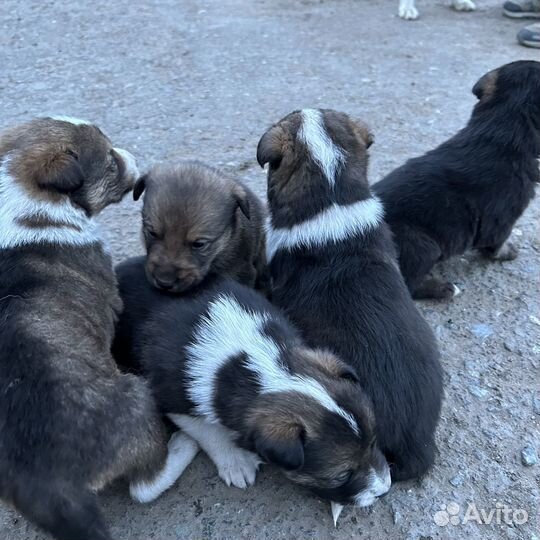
{"points": [[198, 221]]}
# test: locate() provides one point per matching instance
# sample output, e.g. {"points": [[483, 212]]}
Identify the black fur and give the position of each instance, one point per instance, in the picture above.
{"points": [[157, 328], [468, 192], [349, 296]]}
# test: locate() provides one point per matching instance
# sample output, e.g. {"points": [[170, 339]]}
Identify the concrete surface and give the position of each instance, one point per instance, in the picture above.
{"points": [[202, 79]]}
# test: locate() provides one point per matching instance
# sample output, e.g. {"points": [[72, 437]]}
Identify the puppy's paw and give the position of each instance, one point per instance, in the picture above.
{"points": [[238, 467], [180, 453], [508, 252], [463, 5], [408, 12]]}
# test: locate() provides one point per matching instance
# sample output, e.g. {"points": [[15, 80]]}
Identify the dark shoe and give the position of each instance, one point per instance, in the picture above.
{"points": [[522, 9], [530, 36]]}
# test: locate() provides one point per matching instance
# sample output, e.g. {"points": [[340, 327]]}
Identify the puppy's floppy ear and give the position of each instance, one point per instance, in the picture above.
{"points": [[271, 146], [140, 186], [242, 199], [53, 168], [363, 133], [280, 441], [330, 364], [486, 85]]}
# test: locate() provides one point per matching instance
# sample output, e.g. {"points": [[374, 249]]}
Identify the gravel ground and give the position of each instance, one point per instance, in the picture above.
{"points": [[186, 79]]}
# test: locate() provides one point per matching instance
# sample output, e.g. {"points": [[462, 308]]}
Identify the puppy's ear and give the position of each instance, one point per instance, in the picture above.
{"points": [[330, 364], [280, 441], [486, 85], [56, 169], [363, 133], [242, 199], [271, 146], [140, 186]]}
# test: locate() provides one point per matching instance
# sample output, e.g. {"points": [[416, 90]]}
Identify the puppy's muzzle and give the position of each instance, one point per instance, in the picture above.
{"points": [[174, 281]]}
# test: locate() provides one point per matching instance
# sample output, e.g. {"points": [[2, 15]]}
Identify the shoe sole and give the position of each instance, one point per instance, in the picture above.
{"points": [[527, 43], [522, 14]]}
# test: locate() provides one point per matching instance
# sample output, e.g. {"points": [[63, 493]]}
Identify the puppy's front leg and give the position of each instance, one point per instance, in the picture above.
{"points": [[235, 466], [463, 5], [407, 10], [506, 251], [180, 453]]}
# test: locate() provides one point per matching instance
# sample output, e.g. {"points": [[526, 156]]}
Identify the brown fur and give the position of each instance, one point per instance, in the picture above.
{"points": [[71, 421], [485, 88], [193, 203]]}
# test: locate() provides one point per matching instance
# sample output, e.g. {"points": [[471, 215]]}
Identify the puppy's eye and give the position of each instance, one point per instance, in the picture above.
{"points": [[199, 244], [345, 476], [151, 233]]}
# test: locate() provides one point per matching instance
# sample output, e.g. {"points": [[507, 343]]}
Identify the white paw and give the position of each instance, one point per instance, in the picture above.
{"points": [[238, 467], [409, 13], [463, 5], [181, 451]]}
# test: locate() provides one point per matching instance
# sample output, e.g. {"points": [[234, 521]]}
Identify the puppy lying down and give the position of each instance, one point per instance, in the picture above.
{"points": [[229, 370], [70, 421], [468, 192]]}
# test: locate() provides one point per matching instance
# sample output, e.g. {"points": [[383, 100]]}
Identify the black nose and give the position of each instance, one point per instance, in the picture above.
{"points": [[165, 282]]}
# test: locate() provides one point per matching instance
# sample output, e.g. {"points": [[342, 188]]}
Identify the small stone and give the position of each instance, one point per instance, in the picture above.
{"points": [[457, 480], [483, 331], [529, 457], [477, 391]]}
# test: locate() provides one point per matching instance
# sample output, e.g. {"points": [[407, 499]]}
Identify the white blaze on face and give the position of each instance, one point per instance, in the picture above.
{"points": [[130, 162], [379, 483], [324, 152]]}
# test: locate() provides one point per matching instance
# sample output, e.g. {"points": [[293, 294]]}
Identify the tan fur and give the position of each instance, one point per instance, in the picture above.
{"points": [[193, 203], [485, 88]]}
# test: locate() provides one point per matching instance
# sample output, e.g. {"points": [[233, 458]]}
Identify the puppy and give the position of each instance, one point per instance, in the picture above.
{"points": [[468, 192], [233, 374], [70, 421], [197, 221], [408, 11], [335, 274]]}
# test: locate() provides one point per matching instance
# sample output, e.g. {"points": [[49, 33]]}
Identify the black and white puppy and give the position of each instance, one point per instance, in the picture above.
{"points": [[335, 275], [229, 369], [468, 192], [70, 421]]}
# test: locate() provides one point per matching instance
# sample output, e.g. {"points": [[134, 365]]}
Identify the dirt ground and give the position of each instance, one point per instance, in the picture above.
{"points": [[177, 79]]}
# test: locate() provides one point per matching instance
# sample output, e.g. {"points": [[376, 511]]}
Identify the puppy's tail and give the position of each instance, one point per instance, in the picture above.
{"points": [[64, 511]]}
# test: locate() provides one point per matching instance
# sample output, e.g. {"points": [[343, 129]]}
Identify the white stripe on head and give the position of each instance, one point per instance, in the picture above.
{"points": [[379, 483], [71, 120], [334, 224], [16, 205], [229, 330], [324, 152], [130, 162]]}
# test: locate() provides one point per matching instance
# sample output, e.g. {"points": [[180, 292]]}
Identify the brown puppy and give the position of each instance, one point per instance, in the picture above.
{"points": [[198, 221], [70, 421]]}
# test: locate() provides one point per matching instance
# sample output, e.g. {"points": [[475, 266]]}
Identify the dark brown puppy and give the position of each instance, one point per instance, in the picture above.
{"points": [[70, 421], [469, 192], [198, 221]]}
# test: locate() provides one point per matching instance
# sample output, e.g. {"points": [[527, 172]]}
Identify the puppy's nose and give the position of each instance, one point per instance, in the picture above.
{"points": [[165, 280]]}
